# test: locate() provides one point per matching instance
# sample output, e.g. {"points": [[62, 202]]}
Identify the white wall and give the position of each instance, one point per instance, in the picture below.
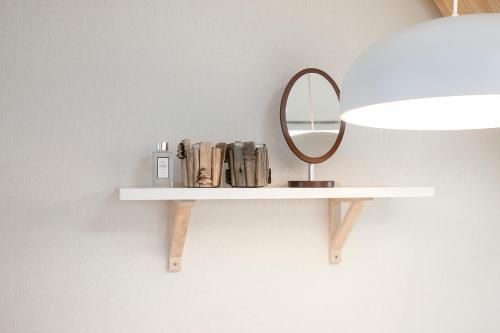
{"points": [[87, 87]]}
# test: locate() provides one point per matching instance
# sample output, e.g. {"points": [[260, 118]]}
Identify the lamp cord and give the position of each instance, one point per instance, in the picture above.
{"points": [[311, 112], [455, 8]]}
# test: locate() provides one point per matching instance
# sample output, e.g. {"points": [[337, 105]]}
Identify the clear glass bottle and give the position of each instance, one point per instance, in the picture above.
{"points": [[163, 161]]}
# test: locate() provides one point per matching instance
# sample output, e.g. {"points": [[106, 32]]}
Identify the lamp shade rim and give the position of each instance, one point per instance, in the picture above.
{"points": [[462, 112]]}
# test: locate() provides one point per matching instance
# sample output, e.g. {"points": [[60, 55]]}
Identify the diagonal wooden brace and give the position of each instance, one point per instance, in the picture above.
{"points": [[181, 211], [341, 227]]}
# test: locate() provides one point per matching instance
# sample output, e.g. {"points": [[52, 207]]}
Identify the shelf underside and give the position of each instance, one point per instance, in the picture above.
{"points": [[273, 193]]}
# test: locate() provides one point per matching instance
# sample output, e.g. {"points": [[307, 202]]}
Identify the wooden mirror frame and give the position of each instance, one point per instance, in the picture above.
{"points": [[284, 126]]}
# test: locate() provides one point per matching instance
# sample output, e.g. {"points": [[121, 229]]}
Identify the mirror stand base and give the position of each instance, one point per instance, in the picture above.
{"points": [[311, 183]]}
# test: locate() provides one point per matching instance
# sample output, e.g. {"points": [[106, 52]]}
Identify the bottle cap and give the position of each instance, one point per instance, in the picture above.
{"points": [[162, 146]]}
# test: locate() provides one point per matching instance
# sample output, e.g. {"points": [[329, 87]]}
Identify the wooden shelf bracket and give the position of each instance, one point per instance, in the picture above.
{"points": [[181, 212], [182, 201], [341, 227]]}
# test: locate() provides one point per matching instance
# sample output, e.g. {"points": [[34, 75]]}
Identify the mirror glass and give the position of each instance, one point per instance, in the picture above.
{"points": [[313, 115]]}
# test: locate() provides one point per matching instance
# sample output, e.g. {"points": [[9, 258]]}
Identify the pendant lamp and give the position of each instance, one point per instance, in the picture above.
{"points": [[442, 74]]}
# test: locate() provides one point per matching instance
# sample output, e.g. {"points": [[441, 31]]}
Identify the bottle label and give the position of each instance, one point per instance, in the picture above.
{"points": [[162, 163]]}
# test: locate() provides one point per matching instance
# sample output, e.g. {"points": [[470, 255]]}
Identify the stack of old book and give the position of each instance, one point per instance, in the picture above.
{"points": [[202, 163], [248, 165]]}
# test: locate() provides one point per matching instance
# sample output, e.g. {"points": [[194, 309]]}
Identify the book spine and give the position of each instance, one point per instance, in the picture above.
{"points": [[249, 159], [182, 148], [239, 165], [189, 163], [258, 167], [196, 164], [222, 147], [216, 166], [267, 179], [230, 150], [205, 162]]}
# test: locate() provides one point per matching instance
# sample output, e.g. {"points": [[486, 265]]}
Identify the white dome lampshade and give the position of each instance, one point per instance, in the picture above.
{"points": [[442, 74]]}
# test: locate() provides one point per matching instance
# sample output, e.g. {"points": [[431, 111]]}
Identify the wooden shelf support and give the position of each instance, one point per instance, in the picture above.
{"points": [[181, 212], [341, 227], [182, 201]]}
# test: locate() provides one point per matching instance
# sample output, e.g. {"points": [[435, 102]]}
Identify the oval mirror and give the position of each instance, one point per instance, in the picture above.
{"points": [[310, 116]]}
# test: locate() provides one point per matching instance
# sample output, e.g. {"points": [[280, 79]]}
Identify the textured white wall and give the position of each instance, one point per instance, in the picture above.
{"points": [[87, 87]]}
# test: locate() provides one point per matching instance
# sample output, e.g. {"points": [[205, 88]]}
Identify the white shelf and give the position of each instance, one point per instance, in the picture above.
{"points": [[273, 193], [183, 200]]}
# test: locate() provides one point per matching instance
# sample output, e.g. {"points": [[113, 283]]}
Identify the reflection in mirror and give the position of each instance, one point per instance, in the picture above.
{"points": [[313, 115]]}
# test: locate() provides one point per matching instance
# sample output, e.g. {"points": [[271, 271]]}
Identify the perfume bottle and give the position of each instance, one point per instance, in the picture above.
{"points": [[163, 175]]}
